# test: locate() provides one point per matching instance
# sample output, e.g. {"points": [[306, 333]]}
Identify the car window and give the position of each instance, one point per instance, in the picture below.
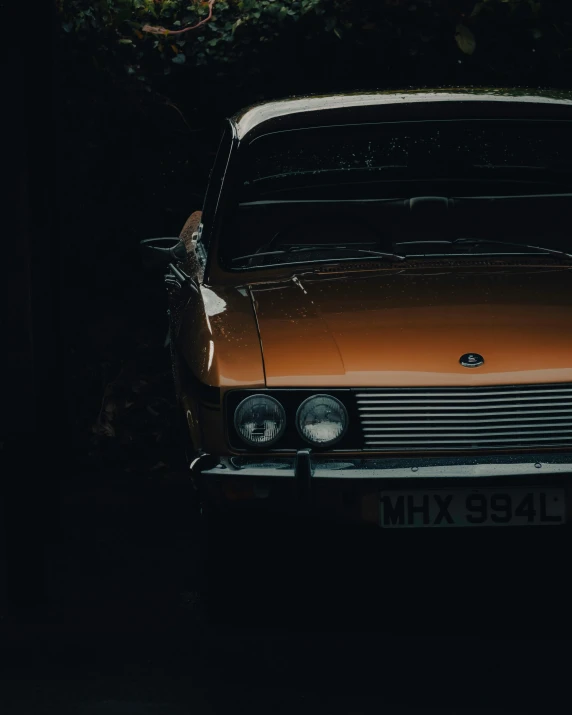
{"points": [[346, 188], [284, 162], [214, 186]]}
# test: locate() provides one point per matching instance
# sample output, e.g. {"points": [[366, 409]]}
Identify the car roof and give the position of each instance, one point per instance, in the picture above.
{"points": [[298, 112]]}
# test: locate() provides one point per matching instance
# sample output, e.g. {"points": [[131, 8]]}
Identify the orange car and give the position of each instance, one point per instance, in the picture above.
{"points": [[371, 318]]}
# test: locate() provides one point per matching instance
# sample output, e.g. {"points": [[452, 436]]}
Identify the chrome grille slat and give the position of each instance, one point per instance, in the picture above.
{"points": [[472, 418], [429, 420], [528, 414], [474, 400], [463, 441], [452, 406], [470, 435], [475, 430], [477, 391]]}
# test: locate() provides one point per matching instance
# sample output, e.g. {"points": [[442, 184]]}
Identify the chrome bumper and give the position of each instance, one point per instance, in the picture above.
{"points": [[305, 467], [310, 485]]}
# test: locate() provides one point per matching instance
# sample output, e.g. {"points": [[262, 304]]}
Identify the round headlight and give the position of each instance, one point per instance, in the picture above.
{"points": [[260, 420], [322, 420]]}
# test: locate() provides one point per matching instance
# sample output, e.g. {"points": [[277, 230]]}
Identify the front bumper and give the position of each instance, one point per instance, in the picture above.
{"points": [[305, 467], [349, 486]]}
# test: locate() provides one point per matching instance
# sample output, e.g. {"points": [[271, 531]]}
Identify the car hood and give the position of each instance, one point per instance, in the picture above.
{"points": [[410, 327]]}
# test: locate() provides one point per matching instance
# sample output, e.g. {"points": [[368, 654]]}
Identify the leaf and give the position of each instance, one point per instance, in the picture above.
{"points": [[175, 49], [465, 39], [179, 59]]}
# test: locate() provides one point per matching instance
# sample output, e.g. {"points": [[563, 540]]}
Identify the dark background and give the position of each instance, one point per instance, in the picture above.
{"points": [[98, 589]]}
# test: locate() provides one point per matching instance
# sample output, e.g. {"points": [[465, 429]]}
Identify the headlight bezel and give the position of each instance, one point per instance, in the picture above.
{"points": [[280, 433], [330, 443], [291, 398]]}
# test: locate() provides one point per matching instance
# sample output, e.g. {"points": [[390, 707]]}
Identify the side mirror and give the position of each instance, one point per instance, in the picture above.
{"points": [[159, 252]]}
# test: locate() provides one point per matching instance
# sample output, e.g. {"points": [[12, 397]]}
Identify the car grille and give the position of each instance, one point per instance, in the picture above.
{"points": [[466, 418]]}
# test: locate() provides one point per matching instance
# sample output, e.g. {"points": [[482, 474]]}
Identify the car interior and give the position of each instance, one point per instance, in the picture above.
{"points": [[415, 225], [399, 187]]}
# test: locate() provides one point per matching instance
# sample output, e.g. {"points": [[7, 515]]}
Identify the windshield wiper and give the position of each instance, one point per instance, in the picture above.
{"points": [[304, 249], [480, 241]]}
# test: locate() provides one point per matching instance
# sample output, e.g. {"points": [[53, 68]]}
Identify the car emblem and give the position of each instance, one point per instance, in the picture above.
{"points": [[471, 360]]}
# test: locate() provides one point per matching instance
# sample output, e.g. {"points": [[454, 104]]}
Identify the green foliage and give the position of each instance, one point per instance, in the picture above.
{"points": [[237, 28], [365, 39]]}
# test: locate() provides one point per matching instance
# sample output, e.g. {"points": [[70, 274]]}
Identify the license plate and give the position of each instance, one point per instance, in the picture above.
{"points": [[472, 507]]}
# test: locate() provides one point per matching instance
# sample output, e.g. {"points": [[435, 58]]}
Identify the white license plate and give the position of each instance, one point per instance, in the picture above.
{"points": [[472, 507]]}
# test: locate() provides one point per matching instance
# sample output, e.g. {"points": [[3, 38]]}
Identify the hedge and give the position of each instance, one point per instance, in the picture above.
{"points": [[266, 47]]}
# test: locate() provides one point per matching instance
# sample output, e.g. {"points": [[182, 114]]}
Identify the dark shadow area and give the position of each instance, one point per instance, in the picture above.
{"points": [[469, 627]]}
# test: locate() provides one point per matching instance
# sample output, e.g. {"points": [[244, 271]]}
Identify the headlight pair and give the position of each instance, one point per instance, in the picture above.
{"points": [[260, 420]]}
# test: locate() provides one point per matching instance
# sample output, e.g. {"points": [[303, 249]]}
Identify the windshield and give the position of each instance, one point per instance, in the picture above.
{"points": [[338, 192]]}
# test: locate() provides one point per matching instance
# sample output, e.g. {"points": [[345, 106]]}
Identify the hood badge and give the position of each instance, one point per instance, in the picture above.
{"points": [[471, 360]]}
